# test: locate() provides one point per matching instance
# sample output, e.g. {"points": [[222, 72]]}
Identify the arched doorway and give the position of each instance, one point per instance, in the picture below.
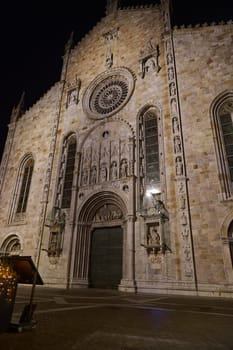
{"points": [[106, 257], [100, 242]]}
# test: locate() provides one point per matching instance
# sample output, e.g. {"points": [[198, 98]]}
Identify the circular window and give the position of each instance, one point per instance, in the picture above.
{"points": [[108, 93]]}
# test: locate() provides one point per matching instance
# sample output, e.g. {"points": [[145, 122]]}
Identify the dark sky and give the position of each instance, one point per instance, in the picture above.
{"points": [[33, 35]]}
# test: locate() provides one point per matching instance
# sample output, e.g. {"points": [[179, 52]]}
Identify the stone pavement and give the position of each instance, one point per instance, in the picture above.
{"points": [[111, 320]]}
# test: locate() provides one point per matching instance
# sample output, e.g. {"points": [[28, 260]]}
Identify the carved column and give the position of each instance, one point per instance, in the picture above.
{"points": [[82, 250], [188, 271], [128, 280]]}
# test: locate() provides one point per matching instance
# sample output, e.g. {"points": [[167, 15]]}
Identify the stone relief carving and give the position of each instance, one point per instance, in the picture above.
{"points": [[177, 144], [149, 59], [73, 90], [124, 168], [105, 157], [108, 213], [179, 166], [114, 171], [171, 75], [109, 38], [175, 125], [172, 89]]}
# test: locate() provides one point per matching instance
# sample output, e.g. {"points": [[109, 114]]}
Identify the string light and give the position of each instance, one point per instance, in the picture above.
{"points": [[7, 282]]}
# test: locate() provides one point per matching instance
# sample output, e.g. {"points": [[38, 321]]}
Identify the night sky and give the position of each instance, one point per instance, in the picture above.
{"points": [[33, 35]]}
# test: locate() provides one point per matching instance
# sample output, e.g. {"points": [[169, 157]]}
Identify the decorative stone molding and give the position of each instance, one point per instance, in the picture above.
{"points": [[149, 59], [109, 40], [73, 90]]}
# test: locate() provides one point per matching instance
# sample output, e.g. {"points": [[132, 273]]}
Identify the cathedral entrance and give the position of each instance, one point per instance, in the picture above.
{"points": [[106, 257]]}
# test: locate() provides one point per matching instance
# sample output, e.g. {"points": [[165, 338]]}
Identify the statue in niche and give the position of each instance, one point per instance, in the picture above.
{"points": [[172, 89], [181, 187], [177, 144], [149, 61], [93, 175], [124, 168], [73, 92], [182, 202], [187, 253], [114, 171], [94, 153], [85, 177], [151, 65], [183, 219], [109, 60], [173, 106], [87, 156], [104, 151], [103, 173], [114, 151], [169, 58], [170, 73], [111, 35], [153, 237], [175, 125], [185, 233], [179, 166], [109, 38], [72, 97]]}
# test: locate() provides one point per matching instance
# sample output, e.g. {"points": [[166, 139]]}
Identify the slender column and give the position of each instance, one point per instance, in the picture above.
{"points": [[128, 281], [188, 270], [81, 262]]}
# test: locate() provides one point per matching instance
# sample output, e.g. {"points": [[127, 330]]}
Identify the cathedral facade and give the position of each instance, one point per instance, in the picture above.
{"points": [[121, 175]]}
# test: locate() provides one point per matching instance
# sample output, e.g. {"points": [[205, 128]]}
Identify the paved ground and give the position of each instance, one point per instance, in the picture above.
{"points": [[111, 320]]}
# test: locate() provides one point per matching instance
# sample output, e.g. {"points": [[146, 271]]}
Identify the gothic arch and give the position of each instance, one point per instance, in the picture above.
{"points": [[95, 202], [11, 245], [65, 177], [87, 221], [147, 182], [22, 187], [226, 234], [105, 153], [221, 106]]}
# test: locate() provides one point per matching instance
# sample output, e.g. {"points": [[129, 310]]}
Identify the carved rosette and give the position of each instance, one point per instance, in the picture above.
{"points": [[108, 93]]}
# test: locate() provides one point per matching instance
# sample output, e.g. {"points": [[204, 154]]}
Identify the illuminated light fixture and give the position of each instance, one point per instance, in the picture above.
{"points": [[7, 282]]}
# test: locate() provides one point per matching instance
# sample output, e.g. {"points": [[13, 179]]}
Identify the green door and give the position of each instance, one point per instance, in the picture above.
{"points": [[106, 257]]}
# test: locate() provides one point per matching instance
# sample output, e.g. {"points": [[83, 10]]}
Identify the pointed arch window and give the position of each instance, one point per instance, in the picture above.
{"points": [[227, 133], [66, 174], [20, 197], [149, 151], [25, 186], [151, 145], [222, 114]]}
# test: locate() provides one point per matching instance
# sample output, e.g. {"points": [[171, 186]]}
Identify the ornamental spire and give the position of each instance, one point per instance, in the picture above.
{"points": [[111, 6]]}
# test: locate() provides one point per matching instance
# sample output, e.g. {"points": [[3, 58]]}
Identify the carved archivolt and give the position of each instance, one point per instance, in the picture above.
{"points": [[108, 213]]}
